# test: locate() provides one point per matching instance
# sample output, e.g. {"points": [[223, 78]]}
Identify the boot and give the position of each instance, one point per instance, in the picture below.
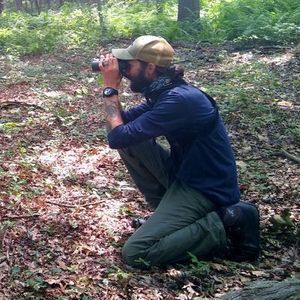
{"points": [[241, 223], [138, 222]]}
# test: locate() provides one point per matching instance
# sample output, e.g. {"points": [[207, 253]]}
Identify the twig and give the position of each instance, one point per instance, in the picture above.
{"points": [[11, 104], [290, 156], [2, 236], [8, 104], [7, 250], [7, 257], [74, 206], [19, 217]]}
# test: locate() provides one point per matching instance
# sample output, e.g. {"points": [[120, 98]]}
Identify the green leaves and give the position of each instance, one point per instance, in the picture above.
{"points": [[198, 267], [36, 283], [283, 221], [75, 26], [284, 225], [25, 34], [258, 21]]}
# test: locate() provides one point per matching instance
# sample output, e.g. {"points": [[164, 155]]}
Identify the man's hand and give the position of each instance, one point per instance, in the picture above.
{"points": [[109, 68]]}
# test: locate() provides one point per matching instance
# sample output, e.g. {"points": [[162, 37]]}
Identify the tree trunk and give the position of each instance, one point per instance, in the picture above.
{"points": [[25, 6], [288, 289], [31, 7], [1, 6], [101, 19], [19, 4], [48, 4], [188, 10], [37, 6]]}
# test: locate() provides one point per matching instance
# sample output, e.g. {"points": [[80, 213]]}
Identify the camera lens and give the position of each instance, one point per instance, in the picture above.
{"points": [[123, 65], [95, 65]]}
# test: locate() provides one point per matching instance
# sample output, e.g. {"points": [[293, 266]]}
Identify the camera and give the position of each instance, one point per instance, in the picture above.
{"points": [[123, 65]]}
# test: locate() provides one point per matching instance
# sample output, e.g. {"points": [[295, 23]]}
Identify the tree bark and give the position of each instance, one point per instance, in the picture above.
{"points": [[37, 6], [101, 18], [188, 10], [48, 4], [288, 289], [19, 4], [1, 6]]}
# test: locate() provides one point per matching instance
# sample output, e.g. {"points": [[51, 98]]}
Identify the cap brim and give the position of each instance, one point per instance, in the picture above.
{"points": [[122, 54]]}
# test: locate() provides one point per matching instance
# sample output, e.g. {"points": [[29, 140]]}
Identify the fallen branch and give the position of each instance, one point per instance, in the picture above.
{"points": [[13, 104], [19, 217], [74, 206], [267, 289], [9, 104], [290, 156]]}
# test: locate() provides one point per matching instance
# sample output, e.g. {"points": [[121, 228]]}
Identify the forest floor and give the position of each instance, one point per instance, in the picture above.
{"points": [[66, 200]]}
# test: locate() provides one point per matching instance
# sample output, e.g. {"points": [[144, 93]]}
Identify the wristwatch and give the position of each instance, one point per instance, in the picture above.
{"points": [[109, 91]]}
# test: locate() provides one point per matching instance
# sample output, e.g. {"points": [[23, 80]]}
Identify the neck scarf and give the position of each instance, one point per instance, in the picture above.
{"points": [[159, 85]]}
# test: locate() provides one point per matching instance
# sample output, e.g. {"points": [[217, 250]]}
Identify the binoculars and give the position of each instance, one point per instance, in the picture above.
{"points": [[123, 65]]}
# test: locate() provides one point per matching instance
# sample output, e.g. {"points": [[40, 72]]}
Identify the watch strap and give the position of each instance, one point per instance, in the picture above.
{"points": [[109, 91]]}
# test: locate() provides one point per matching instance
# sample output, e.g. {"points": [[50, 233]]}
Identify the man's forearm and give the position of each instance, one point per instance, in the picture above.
{"points": [[113, 112]]}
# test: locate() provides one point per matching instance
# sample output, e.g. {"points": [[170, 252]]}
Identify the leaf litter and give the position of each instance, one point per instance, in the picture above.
{"points": [[67, 201]]}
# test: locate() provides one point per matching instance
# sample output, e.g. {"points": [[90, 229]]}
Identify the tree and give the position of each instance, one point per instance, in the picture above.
{"points": [[37, 6], [102, 24], [1, 6], [19, 4], [188, 10]]}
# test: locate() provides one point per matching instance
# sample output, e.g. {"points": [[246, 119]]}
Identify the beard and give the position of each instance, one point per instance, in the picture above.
{"points": [[139, 83]]}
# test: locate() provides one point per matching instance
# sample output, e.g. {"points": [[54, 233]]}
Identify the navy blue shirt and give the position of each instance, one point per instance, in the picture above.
{"points": [[200, 147]]}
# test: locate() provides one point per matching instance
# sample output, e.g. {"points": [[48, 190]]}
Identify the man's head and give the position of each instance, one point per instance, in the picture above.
{"points": [[148, 48], [146, 57]]}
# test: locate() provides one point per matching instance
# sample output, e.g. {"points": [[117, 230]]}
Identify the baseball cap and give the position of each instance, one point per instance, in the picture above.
{"points": [[148, 48]]}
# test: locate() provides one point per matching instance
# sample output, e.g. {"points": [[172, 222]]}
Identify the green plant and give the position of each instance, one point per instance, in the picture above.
{"points": [[198, 267], [67, 29], [285, 227], [118, 274], [10, 127], [6, 225], [257, 20], [77, 26], [36, 283], [294, 130]]}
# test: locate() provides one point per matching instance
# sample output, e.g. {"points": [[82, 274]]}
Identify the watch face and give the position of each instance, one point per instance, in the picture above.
{"points": [[107, 92]]}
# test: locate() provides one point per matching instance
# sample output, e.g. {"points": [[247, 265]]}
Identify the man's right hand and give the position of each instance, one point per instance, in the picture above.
{"points": [[109, 68]]}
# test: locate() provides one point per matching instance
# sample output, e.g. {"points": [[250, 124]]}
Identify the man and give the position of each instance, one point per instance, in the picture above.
{"points": [[192, 186]]}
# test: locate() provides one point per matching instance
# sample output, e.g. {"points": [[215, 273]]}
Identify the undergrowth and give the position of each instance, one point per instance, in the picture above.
{"points": [[67, 29], [76, 26]]}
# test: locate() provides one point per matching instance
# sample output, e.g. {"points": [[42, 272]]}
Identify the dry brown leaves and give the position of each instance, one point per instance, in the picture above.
{"points": [[67, 202]]}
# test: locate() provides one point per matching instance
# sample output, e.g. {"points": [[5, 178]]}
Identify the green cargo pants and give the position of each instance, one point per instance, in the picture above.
{"points": [[184, 221]]}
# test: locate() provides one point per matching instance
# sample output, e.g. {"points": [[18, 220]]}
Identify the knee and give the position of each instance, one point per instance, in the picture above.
{"points": [[138, 149], [134, 257]]}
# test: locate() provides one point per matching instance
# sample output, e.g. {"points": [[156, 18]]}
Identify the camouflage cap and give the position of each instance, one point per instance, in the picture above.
{"points": [[148, 48]]}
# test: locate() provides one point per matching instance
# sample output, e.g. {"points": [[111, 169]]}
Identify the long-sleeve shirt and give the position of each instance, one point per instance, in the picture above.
{"points": [[199, 143]]}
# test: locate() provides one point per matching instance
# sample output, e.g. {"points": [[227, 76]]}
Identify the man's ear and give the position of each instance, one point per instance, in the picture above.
{"points": [[150, 71]]}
